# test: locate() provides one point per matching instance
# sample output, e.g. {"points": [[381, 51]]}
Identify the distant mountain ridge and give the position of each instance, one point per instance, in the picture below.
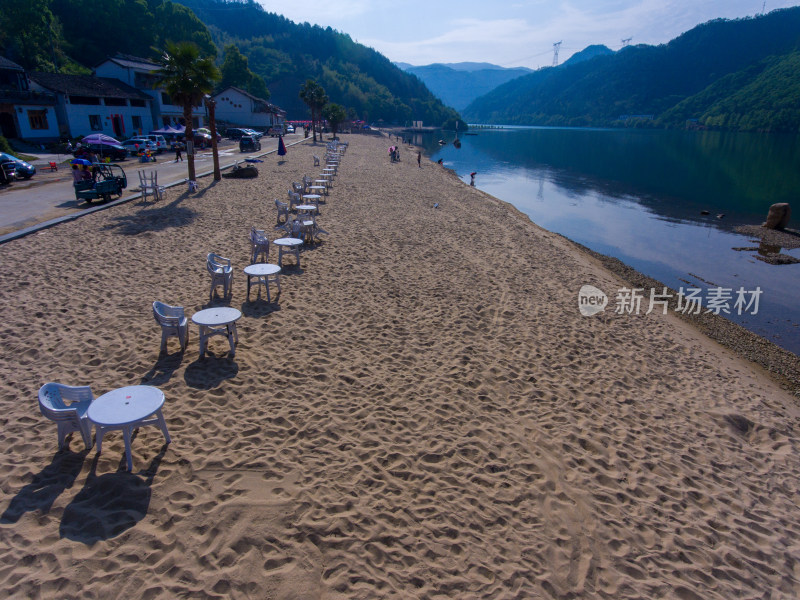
{"points": [[458, 84], [733, 74]]}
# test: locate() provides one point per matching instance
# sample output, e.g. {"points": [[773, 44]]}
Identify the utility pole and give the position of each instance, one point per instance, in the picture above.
{"points": [[556, 46]]}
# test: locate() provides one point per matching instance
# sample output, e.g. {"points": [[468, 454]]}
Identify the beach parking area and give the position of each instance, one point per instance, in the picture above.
{"points": [[423, 412]]}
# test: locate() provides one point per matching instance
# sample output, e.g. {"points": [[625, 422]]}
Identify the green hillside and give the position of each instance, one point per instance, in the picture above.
{"points": [[285, 54], [72, 36], [733, 74]]}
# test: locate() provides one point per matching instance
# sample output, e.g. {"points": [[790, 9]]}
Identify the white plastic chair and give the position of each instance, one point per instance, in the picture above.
{"points": [[283, 209], [173, 323], [221, 273], [259, 244], [149, 185], [67, 406]]}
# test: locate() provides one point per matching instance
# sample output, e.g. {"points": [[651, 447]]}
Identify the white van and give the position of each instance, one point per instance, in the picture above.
{"points": [[159, 140]]}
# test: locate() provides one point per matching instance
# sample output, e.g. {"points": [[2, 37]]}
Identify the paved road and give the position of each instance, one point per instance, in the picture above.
{"points": [[49, 195]]}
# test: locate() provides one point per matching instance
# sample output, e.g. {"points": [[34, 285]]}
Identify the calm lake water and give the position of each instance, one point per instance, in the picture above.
{"points": [[638, 196]]}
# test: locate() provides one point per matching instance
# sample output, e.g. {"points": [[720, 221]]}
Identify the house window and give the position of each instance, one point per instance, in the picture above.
{"points": [[37, 119], [95, 123], [137, 102], [165, 99], [136, 121], [116, 102]]}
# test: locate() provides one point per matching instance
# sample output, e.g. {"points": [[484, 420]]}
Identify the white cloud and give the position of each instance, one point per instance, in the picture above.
{"points": [[510, 34]]}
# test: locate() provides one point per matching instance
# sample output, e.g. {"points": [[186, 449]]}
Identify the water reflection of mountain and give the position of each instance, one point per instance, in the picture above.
{"points": [[675, 174]]}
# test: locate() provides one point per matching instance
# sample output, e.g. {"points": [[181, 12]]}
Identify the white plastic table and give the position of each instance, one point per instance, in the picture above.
{"points": [[220, 320], [264, 274], [127, 408], [288, 245], [319, 189]]}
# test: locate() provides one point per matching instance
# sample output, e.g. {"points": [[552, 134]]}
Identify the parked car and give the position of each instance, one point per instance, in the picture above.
{"points": [[201, 140], [248, 143], [208, 132], [136, 145], [159, 140], [253, 133], [112, 151], [7, 171], [23, 170], [290, 129], [235, 133], [275, 131]]}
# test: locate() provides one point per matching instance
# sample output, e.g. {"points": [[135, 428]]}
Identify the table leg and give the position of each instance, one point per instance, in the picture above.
{"points": [[231, 335], [99, 438], [266, 285], [248, 288], [163, 425], [126, 432], [203, 340]]}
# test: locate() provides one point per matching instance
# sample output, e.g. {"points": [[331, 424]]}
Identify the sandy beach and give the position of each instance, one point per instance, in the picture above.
{"points": [[422, 413]]}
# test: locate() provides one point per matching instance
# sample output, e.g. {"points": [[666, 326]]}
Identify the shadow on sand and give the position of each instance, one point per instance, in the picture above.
{"points": [[109, 504], [46, 486]]}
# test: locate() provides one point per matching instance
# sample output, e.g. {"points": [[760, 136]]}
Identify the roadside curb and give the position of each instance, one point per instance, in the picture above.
{"points": [[14, 235]]}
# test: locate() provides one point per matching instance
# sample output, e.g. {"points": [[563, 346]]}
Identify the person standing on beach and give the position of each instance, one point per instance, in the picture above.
{"points": [[178, 151], [419, 158], [472, 178]]}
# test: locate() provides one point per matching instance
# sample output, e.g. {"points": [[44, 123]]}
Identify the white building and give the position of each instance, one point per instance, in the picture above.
{"points": [[24, 112], [86, 104], [140, 74], [237, 108]]}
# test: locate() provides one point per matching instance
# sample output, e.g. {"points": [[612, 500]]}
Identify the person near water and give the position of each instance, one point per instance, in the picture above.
{"points": [[472, 178], [419, 159]]}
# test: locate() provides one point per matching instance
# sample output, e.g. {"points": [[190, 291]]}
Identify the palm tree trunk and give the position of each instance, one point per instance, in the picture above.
{"points": [[212, 124], [314, 123], [189, 135]]}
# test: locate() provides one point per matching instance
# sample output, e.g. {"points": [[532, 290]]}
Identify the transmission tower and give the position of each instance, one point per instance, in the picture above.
{"points": [[626, 41], [556, 46]]}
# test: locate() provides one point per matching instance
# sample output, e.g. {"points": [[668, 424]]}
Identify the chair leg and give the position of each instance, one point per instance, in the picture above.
{"points": [[86, 432], [63, 430]]}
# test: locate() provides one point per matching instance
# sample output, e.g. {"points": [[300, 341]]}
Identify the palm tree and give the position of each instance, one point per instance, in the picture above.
{"points": [[335, 114], [187, 78], [314, 96]]}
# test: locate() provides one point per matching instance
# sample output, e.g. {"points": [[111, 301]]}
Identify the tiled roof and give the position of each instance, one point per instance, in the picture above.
{"points": [[9, 64], [269, 105], [87, 85], [135, 62]]}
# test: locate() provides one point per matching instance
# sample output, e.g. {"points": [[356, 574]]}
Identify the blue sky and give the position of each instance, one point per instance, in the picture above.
{"points": [[509, 33]]}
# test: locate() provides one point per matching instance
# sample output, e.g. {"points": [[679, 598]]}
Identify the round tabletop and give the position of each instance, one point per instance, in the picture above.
{"points": [[219, 315], [287, 242], [318, 187], [125, 405], [261, 269], [312, 196]]}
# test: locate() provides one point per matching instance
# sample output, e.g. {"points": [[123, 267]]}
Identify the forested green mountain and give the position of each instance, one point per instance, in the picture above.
{"points": [[457, 87], [72, 36], [736, 74], [285, 54]]}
